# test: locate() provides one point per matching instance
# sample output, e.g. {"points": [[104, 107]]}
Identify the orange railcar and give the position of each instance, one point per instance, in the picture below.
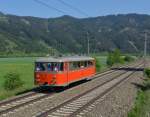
{"points": [[64, 70]]}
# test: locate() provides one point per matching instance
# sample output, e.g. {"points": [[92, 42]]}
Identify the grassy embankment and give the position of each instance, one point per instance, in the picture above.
{"points": [[142, 104], [25, 67]]}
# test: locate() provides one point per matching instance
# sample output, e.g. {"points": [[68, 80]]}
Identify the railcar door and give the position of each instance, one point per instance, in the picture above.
{"points": [[60, 73], [63, 75], [66, 71], [40, 73]]}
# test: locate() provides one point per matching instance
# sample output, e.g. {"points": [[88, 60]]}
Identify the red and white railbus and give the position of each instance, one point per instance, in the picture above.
{"points": [[63, 70]]}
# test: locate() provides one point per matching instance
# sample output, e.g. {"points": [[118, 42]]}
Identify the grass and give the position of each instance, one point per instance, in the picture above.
{"points": [[25, 67], [142, 103], [102, 60]]}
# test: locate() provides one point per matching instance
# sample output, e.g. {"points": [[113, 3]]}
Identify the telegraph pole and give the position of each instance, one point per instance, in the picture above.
{"points": [[88, 44], [145, 49], [145, 45]]}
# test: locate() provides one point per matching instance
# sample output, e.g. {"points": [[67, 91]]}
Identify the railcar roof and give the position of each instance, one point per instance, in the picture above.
{"points": [[64, 59]]}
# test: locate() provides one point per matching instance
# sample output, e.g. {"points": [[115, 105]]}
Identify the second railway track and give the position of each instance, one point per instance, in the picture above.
{"points": [[13, 105], [77, 104]]}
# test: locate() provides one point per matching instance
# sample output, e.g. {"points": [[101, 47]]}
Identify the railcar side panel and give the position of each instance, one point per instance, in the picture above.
{"points": [[80, 74], [61, 79]]}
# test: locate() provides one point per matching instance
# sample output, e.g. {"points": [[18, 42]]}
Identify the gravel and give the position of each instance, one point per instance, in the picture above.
{"points": [[119, 102], [58, 98]]}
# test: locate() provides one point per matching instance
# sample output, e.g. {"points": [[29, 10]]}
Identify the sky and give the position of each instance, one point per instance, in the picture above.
{"points": [[91, 7]]}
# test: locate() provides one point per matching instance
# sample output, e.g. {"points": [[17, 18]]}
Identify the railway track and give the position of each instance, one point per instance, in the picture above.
{"points": [[30, 99], [38, 90], [76, 105]]}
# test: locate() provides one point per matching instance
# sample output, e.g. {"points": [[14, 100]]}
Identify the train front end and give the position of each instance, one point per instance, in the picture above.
{"points": [[46, 73]]}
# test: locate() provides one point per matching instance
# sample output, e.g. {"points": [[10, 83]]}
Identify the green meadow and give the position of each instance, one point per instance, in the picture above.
{"points": [[25, 68]]}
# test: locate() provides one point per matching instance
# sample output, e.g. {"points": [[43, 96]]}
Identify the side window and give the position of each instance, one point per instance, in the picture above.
{"points": [[74, 65], [61, 66], [90, 63], [71, 66], [85, 64], [82, 64], [49, 66], [55, 66], [78, 64]]}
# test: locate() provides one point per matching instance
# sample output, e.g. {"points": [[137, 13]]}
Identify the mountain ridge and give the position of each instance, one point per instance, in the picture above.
{"points": [[67, 34]]}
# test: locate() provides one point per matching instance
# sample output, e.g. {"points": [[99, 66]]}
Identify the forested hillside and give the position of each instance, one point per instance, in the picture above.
{"points": [[67, 34]]}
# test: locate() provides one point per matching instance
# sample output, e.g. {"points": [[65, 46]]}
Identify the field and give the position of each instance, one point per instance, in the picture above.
{"points": [[25, 67], [102, 60]]}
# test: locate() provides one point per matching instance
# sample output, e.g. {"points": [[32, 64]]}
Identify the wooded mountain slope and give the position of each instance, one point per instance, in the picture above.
{"points": [[68, 34]]}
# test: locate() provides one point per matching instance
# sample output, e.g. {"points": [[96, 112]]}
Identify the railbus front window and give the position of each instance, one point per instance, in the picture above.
{"points": [[90, 63], [50, 67], [56, 66], [40, 67]]}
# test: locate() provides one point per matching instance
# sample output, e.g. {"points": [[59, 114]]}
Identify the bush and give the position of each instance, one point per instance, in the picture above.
{"points": [[147, 72], [12, 81], [117, 56], [110, 59], [98, 65], [114, 57], [128, 58]]}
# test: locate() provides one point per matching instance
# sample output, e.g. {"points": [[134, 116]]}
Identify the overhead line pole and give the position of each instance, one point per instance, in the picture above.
{"points": [[145, 45], [88, 44], [145, 49]]}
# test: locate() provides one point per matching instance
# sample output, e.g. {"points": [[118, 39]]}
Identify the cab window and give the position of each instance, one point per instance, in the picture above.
{"points": [[90, 63], [51, 66], [55, 66], [41, 67]]}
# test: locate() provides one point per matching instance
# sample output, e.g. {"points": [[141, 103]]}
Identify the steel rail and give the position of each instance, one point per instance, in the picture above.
{"points": [[39, 98], [46, 113], [101, 95], [28, 94]]}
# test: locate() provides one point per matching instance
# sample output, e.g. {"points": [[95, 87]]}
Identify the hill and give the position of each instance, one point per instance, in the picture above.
{"points": [[66, 34]]}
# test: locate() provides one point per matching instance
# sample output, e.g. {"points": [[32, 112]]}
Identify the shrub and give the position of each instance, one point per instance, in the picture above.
{"points": [[122, 61], [117, 56], [147, 72], [114, 57], [128, 58], [98, 65], [110, 59], [12, 81]]}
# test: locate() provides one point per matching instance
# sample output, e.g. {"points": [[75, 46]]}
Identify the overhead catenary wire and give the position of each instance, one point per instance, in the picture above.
{"points": [[74, 8], [61, 11], [84, 14], [49, 6]]}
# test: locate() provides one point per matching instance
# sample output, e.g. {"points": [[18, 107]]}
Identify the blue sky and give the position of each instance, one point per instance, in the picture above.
{"points": [[91, 7]]}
